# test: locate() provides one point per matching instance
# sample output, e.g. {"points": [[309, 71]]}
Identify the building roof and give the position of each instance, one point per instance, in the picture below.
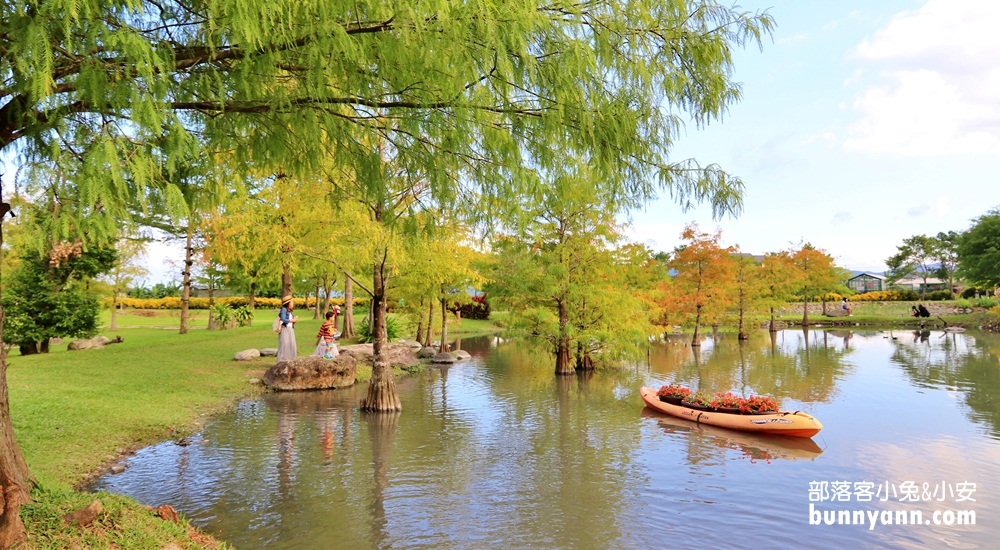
{"points": [[856, 274], [920, 281]]}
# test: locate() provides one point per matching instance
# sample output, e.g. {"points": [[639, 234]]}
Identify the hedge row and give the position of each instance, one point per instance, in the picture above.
{"points": [[904, 295]]}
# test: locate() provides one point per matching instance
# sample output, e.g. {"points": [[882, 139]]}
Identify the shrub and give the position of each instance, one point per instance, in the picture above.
{"points": [[393, 327], [243, 315], [222, 316], [473, 310], [972, 291], [939, 295], [903, 294], [984, 302]]}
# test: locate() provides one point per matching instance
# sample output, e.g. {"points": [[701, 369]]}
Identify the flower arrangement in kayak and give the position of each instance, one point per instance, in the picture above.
{"points": [[673, 393], [722, 402]]}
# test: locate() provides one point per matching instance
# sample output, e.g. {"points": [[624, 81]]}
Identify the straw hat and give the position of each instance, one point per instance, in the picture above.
{"points": [[286, 298]]}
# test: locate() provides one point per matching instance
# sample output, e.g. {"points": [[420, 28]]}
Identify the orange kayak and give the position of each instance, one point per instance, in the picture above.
{"points": [[794, 424]]}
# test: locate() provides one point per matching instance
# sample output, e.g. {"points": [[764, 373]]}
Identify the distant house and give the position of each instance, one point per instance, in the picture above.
{"points": [[864, 281]]}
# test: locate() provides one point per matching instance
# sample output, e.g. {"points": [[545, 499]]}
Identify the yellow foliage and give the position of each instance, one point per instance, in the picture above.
{"points": [[877, 296]]}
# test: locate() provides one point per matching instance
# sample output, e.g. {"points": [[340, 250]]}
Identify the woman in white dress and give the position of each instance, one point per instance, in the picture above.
{"points": [[287, 348]]}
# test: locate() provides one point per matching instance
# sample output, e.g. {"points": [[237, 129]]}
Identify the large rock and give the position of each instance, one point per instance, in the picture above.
{"points": [[269, 352], [426, 353], [312, 373], [444, 357], [836, 312], [412, 343], [462, 355], [398, 355], [96, 342], [246, 355]]}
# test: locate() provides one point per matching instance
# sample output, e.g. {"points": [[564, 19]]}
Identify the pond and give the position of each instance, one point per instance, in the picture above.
{"points": [[499, 452]]}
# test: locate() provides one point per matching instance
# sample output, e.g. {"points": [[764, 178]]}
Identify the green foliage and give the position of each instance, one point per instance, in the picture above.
{"points": [[47, 295], [986, 302], [913, 258], [395, 328], [223, 316], [243, 315], [938, 295], [159, 290], [979, 251], [973, 291], [563, 275]]}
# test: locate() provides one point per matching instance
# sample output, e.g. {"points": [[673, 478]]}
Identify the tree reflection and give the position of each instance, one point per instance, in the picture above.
{"points": [[964, 362], [382, 432], [801, 365]]}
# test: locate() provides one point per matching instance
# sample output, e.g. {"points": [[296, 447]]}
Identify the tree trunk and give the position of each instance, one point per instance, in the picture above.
{"points": [[584, 362], [327, 288], [805, 310], [382, 395], [211, 302], [696, 339], [348, 330], [286, 281], [772, 328], [186, 277], [114, 311], [420, 322], [252, 298], [16, 481], [316, 314], [429, 338], [444, 323], [742, 330], [563, 363]]}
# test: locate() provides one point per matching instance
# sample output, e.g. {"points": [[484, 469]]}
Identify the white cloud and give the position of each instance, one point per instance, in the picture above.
{"points": [[937, 90], [841, 218], [797, 37]]}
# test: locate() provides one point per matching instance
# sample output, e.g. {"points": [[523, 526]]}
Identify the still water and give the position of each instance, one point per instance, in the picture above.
{"points": [[497, 452]]}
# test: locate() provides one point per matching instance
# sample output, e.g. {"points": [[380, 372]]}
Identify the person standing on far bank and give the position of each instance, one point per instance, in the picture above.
{"points": [[287, 347]]}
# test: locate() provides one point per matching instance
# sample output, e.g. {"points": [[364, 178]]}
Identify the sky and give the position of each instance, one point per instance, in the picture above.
{"points": [[861, 124]]}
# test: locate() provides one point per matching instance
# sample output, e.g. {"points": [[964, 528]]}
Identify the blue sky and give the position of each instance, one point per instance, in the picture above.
{"points": [[862, 123]]}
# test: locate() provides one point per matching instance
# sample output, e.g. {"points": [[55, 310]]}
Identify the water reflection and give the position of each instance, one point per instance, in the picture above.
{"points": [[800, 365], [498, 452], [958, 363], [750, 446]]}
